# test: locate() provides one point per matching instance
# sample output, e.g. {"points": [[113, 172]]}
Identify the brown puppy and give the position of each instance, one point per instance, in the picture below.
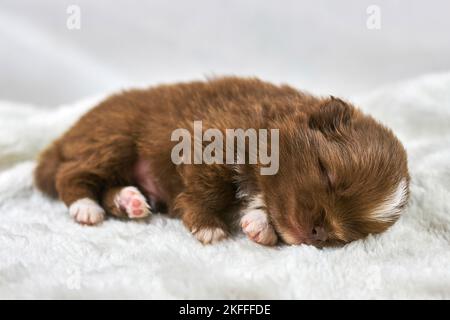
{"points": [[341, 174]]}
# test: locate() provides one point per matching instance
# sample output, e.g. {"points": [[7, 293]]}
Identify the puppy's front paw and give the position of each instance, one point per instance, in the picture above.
{"points": [[87, 211], [131, 200], [209, 235], [257, 227]]}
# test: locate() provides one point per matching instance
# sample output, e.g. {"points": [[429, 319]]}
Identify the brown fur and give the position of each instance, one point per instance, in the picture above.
{"points": [[336, 164]]}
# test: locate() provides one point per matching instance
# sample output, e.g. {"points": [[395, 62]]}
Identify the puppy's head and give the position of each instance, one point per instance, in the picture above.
{"points": [[342, 176]]}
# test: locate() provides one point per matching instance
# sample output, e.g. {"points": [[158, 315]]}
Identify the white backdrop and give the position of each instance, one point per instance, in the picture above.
{"points": [[322, 46]]}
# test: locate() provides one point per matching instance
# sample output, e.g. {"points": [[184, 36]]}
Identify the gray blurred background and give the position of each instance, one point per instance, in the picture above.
{"points": [[322, 46]]}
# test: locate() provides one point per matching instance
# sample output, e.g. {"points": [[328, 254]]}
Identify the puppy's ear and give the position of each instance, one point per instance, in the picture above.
{"points": [[332, 115]]}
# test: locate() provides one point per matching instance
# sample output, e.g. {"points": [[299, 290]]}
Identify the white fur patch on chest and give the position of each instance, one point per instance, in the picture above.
{"points": [[392, 206], [256, 202]]}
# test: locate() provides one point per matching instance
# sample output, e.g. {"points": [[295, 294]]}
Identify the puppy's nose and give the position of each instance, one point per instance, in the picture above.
{"points": [[319, 234]]}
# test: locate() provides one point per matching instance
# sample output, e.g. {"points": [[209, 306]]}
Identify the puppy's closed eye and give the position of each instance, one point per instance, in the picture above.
{"points": [[326, 175]]}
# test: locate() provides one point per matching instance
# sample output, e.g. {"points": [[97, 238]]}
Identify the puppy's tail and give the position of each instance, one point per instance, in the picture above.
{"points": [[45, 172]]}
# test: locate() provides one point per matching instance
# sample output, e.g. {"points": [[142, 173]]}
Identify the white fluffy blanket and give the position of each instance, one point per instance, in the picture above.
{"points": [[44, 254]]}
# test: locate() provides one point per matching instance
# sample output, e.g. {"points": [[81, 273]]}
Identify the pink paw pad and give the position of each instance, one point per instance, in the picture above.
{"points": [[257, 227], [133, 202]]}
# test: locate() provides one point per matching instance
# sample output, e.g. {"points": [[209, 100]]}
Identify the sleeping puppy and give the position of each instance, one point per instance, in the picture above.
{"points": [[342, 175]]}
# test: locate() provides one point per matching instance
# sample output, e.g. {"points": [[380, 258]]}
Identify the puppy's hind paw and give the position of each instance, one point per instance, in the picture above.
{"points": [[87, 211], [131, 200]]}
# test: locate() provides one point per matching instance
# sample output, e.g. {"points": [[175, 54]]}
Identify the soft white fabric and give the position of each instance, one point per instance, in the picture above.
{"points": [[44, 254]]}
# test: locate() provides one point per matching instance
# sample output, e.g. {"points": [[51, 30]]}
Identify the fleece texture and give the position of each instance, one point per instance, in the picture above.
{"points": [[44, 254]]}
